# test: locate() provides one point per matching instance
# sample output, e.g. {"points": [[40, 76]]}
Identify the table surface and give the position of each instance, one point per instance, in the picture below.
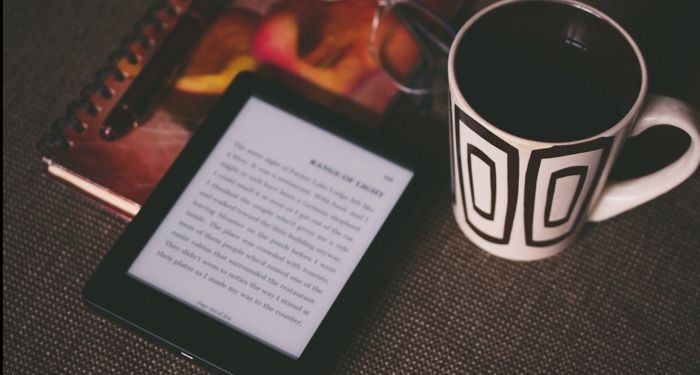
{"points": [[624, 298]]}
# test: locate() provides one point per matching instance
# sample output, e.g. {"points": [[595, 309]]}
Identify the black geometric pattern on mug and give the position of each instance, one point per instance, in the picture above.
{"points": [[578, 171], [563, 207], [474, 152], [488, 198]]}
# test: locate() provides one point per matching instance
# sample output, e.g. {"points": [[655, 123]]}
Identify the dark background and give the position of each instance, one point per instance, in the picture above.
{"points": [[624, 298]]}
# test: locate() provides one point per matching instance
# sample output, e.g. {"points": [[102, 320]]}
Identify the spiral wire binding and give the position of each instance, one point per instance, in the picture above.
{"points": [[55, 136]]}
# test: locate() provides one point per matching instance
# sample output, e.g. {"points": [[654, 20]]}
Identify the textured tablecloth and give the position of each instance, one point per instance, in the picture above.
{"points": [[624, 298]]}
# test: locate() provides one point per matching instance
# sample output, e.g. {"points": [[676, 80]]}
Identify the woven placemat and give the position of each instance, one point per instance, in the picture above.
{"points": [[624, 298]]}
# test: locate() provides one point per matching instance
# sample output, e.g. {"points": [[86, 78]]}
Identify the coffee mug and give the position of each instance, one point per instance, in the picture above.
{"points": [[543, 94]]}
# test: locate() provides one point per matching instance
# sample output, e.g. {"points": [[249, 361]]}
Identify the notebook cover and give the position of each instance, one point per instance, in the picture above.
{"points": [[324, 43]]}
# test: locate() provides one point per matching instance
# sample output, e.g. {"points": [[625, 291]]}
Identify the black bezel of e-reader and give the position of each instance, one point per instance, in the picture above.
{"points": [[200, 337]]}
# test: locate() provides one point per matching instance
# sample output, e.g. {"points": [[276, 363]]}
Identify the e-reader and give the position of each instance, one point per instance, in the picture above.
{"points": [[255, 250]]}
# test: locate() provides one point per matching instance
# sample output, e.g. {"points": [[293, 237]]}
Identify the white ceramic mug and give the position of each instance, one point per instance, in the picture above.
{"points": [[522, 198]]}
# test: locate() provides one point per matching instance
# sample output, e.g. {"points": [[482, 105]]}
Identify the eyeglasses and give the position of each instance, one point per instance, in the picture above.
{"points": [[407, 40]]}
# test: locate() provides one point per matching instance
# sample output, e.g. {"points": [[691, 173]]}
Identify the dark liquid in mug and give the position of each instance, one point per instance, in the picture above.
{"points": [[533, 76]]}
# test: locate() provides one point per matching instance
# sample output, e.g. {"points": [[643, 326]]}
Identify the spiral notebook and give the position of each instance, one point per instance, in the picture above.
{"points": [[192, 49]]}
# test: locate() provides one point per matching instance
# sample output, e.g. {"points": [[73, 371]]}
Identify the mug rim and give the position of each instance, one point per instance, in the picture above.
{"points": [[626, 119]]}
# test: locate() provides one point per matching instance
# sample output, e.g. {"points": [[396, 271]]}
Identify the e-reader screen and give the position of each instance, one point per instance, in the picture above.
{"points": [[271, 226]]}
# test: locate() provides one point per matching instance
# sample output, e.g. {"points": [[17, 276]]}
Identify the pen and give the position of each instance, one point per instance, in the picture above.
{"points": [[140, 98]]}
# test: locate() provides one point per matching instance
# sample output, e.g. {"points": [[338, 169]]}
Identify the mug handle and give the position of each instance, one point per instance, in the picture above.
{"points": [[621, 196]]}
